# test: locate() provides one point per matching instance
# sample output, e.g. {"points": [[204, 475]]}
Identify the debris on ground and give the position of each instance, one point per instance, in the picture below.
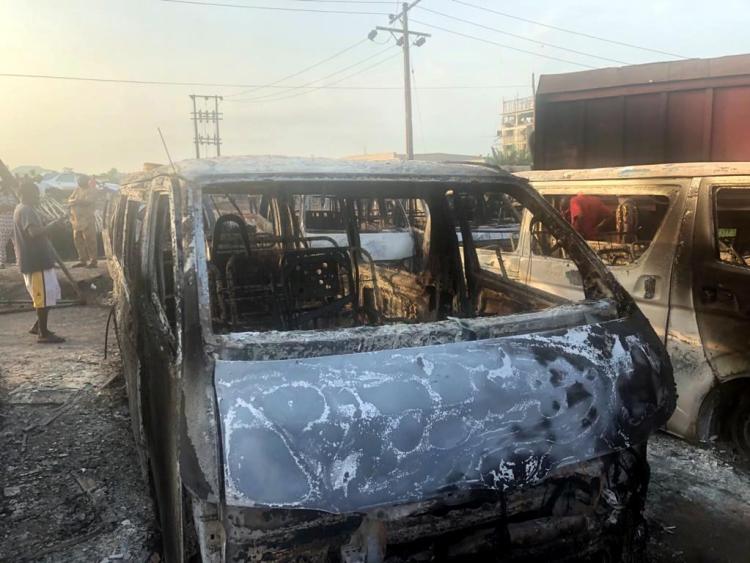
{"points": [[697, 505], [72, 486]]}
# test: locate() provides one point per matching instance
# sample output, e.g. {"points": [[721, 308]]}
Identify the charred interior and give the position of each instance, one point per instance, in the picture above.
{"points": [[298, 257]]}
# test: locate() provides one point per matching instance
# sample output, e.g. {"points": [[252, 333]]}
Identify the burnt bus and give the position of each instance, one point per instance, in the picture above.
{"points": [[296, 398]]}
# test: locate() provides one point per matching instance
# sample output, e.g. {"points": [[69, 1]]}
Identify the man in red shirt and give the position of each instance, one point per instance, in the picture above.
{"points": [[587, 213]]}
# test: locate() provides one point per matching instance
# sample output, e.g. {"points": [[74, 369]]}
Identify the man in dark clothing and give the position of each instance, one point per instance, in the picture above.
{"points": [[36, 260]]}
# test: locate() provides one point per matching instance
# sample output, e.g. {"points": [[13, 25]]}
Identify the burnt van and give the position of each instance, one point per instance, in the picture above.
{"points": [[677, 237], [300, 401]]}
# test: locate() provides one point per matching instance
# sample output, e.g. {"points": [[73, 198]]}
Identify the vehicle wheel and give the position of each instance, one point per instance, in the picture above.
{"points": [[739, 425]]}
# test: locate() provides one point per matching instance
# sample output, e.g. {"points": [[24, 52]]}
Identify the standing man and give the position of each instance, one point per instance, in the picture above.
{"points": [[36, 260], [7, 203], [82, 206]]}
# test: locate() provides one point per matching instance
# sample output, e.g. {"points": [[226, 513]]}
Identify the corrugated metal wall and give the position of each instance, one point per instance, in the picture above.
{"points": [[610, 128]]}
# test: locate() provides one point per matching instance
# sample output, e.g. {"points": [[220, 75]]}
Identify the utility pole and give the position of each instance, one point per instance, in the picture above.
{"points": [[202, 121], [405, 42], [407, 85]]}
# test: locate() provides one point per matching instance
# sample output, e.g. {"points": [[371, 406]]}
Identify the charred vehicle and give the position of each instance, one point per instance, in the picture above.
{"points": [[300, 401], [677, 237]]}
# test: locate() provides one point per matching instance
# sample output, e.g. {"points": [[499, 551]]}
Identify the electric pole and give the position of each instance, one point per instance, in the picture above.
{"points": [[203, 119], [405, 42]]}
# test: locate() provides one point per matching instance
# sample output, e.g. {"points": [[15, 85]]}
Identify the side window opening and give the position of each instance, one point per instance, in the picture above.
{"points": [[164, 262], [495, 223], [491, 231], [732, 223], [117, 226], [619, 228], [133, 233]]}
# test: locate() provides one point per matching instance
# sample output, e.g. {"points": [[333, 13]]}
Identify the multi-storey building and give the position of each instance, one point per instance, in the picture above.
{"points": [[516, 125]]}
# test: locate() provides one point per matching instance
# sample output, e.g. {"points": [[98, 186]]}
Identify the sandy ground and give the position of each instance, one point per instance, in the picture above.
{"points": [[72, 489]]}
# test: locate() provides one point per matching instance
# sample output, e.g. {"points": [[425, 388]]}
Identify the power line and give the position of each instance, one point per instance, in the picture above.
{"points": [[572, 32], [274, 8], [346, 1], [128, 81], [326, 77], [315, 88], [216, 84], [517, 36], [474, 37], [304, 70]]}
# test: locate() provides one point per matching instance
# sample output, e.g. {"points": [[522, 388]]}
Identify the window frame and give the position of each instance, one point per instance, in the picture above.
{"points": [[715, 188], [117, 227], [669, 190], [132, 255], [149, 268]]}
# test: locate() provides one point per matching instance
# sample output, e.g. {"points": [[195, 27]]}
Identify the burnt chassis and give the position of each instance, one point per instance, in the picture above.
{"points": [[490, 507]]}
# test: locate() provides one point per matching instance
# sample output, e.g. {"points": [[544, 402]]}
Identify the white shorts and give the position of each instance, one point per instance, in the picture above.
{"points": [[43, 288]]}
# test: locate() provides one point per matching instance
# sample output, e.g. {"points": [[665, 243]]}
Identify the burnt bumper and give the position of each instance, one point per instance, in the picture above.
{"points": [[580, 512]]}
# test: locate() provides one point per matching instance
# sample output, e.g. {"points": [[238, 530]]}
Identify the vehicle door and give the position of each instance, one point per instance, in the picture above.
{"points": [[722, 274], [123, 247], [160, 338], [636, 238]]}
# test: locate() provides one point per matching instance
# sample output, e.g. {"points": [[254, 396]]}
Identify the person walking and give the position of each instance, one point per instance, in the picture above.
{"points": [[7, 204], [36, 260], [82, 207]]}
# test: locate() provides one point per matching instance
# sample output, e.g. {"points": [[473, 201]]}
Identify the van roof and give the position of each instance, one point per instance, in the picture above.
{"points": [[254, 168], [676, 170]]}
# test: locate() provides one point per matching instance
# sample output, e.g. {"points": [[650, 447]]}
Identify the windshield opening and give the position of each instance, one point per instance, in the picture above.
{"points": [[283, 260]]}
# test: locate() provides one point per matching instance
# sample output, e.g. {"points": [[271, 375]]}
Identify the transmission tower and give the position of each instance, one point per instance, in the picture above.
{"points": [[206, 118]]}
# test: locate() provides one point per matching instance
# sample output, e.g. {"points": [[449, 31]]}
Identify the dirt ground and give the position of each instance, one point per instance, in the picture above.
{"points": [[71, 485], [72, 488]]}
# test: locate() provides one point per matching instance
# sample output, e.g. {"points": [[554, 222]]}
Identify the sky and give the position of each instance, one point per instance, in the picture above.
{"points": [[459, 82]]}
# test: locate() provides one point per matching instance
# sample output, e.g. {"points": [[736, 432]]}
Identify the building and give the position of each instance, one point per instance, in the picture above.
{"points": [[516, 125]]}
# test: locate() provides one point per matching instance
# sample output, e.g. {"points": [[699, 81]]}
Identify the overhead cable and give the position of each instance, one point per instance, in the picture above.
{"points": [[490, 42], [316, 88], [517, 36], [274, 8], [326, 77], [304, 70], [572, 32], [226, 85]]}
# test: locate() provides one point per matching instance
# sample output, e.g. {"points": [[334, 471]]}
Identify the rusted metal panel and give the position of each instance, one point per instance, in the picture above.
{"points": [[683, 111], [644, 127], [730, 140], [685, 126]]}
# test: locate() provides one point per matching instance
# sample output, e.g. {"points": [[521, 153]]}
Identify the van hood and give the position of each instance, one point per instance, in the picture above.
{"points": [[346, 433]]}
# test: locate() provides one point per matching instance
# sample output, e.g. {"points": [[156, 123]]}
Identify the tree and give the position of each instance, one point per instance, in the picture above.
{"points": [[113, 175], [508, 157]]}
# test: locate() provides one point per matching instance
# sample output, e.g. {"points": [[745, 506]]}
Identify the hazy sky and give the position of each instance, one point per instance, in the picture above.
{"points": [[94, 126]]}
